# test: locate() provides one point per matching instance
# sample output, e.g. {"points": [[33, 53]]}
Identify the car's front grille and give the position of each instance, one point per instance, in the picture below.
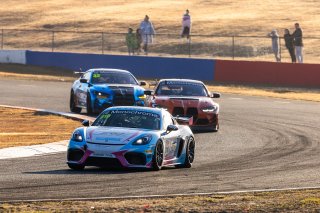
{"points": [[178, 111], [103, 162], [123, 100], [135, 158], [192, 112], [202, 121], [75, 155], [123, 96]]}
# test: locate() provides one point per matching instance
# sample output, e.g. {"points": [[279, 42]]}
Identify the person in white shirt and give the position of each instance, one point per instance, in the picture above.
{"points": [[186, 25], [147, 32]]}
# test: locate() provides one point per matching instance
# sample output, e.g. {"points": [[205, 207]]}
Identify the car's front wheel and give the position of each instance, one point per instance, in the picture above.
{"points": [[73, 107], [157, 159], [76, 167], [89, 107], [190, 153]]}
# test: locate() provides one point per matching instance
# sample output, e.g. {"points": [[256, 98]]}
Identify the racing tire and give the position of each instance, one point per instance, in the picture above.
{"points": [[73, 107], [157, 158], [76, 167], [190, 153], [89, 108]]}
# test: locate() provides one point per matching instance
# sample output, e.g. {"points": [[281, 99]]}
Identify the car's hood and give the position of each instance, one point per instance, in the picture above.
{"points": [[112, 135], [118, 88], [178, 101]]}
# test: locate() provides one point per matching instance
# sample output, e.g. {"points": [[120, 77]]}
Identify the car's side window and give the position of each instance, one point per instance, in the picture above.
{"points": [[167, 120], [174, 121], [87, 76]]}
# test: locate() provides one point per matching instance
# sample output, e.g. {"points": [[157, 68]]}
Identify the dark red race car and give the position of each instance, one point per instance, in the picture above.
{"points": [[187, 98]]}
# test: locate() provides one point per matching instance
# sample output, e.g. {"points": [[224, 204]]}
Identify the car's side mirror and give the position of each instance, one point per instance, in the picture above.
{"points": [[85, 123], [148, 92], [143, 83], [83, 80], [215, 95], [171, 128]]}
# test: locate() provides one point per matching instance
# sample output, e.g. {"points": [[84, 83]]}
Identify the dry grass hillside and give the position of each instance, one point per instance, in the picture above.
{"points": [[218, 17]]}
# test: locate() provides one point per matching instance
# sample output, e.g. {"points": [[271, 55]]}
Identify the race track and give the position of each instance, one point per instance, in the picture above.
{"points": [[263, 143]]}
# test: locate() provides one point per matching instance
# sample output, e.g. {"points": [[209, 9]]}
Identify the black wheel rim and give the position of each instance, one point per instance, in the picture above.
{"points": [[159, 154], [191, 150]]}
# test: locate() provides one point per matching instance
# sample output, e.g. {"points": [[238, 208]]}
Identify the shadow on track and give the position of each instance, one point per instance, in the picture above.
{"points": [[95, 170]]}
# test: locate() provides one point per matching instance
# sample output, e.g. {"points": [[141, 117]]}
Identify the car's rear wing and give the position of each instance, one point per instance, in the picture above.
{"points": [[184, 120], [79, 72]]}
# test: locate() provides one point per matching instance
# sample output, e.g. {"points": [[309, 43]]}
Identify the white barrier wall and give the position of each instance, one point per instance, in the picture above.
{"points": [[13, 56]]}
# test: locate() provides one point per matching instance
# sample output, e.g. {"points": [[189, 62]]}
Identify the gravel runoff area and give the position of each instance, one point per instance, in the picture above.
{"points": [[20, 127]]}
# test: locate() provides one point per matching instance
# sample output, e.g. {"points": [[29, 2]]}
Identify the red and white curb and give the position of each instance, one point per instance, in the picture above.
{"points": [[42, 149]]}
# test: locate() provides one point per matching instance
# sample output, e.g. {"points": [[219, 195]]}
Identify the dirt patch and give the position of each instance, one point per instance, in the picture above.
{"points": [[23, 127], [282, 201]]}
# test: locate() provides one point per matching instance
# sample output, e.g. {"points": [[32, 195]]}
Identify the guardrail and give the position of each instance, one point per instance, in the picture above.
{"points": [[256, 48]]}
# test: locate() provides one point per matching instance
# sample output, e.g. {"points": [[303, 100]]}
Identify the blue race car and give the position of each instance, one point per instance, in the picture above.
{"points": [[98, 89], [139, 137]]}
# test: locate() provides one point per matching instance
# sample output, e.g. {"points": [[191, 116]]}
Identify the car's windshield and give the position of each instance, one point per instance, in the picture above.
{"points": [[110, 77], [180, 88], [129, 119]]}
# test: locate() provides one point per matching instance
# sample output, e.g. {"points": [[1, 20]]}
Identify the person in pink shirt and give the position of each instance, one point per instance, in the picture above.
{"points": [[186, 25]]}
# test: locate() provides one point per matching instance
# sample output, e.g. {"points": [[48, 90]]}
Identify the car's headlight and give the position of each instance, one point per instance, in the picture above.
{"points": [[143, 140], [77, 136], [101, 94], [210, 109]]}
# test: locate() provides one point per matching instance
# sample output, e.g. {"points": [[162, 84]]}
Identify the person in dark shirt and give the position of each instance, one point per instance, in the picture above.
{"points": [[297, 35], [288, 39]]}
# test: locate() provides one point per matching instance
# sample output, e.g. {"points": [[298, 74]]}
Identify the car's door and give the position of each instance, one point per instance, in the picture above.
{"points": [[171, 139], [81, 90]]}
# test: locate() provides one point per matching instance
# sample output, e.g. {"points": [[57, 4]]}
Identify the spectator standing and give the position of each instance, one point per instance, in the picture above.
{"points": [[139, 40], [147, 33], [186, 25], [288, 39], [275, 44], [297, 35], [131, 41]]}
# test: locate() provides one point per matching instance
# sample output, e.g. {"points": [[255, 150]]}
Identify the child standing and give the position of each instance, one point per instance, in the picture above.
{"points": [[131, 41]]}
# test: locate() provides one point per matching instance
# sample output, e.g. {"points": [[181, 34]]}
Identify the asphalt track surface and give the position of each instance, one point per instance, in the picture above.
{"points": [[263, 143]]}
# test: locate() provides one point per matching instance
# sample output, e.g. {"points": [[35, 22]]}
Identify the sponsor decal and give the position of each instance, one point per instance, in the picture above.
{"points": [[182, 83], [96, 75], [134, 112]]}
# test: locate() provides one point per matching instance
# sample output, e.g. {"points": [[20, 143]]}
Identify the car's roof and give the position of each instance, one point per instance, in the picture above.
{"points": [[140, 108], [108, 70], [181, 80]]}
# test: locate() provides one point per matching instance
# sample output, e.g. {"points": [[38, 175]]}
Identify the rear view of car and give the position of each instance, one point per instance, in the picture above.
{"points": [[187, 98], [98, 89]]}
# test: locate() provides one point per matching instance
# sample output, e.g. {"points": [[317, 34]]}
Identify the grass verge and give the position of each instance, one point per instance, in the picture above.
{"points": [[23, 127], [280, 201]]}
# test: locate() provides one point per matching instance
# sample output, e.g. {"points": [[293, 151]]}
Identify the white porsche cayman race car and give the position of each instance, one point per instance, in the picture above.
{"points": [[139, 137]]}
